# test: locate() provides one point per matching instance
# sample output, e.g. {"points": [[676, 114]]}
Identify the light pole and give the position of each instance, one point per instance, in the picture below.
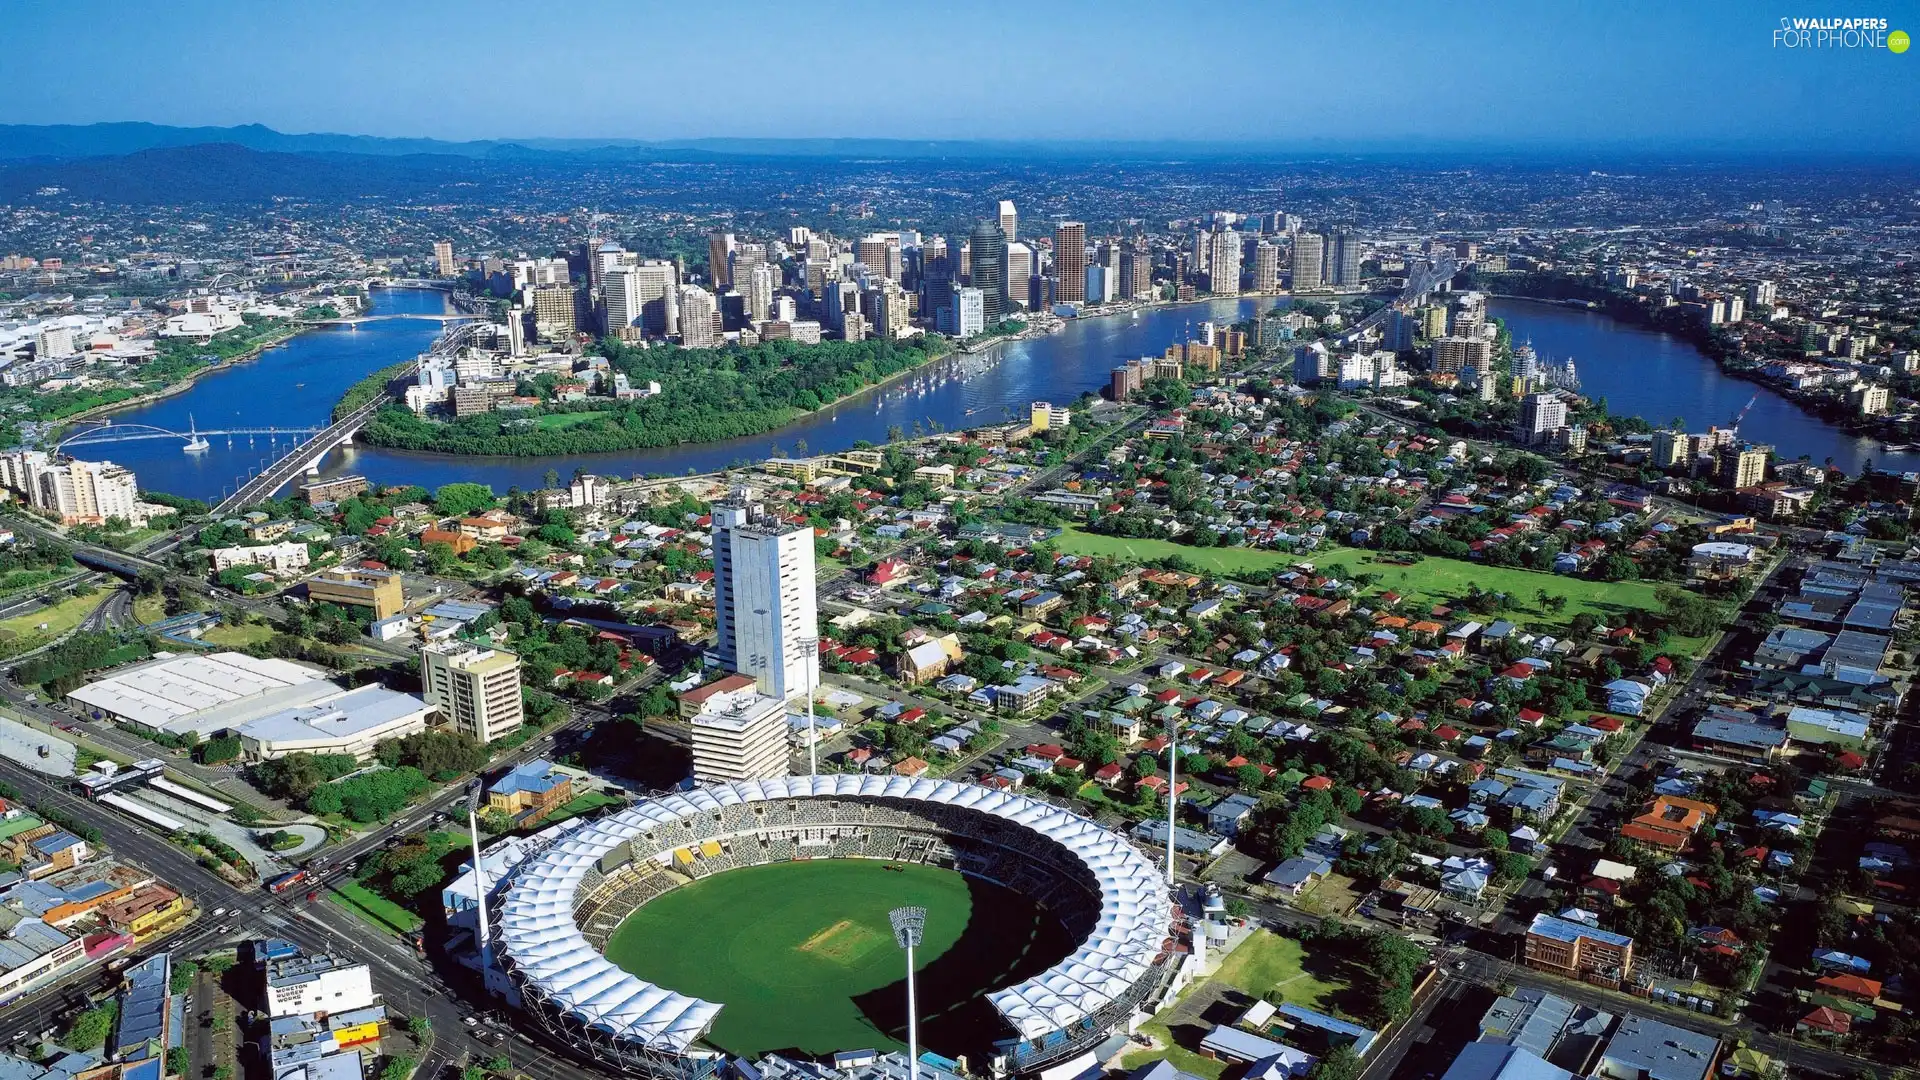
{"points": [[1173, 789], [812, 662], [479, 877], [909, 925]]}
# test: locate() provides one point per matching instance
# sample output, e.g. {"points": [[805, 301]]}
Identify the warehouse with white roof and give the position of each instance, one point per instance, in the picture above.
{"points": [[276, 707]]}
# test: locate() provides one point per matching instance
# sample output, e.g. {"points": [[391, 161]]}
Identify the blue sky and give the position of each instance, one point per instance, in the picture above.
{"points": [[1687, 73]]}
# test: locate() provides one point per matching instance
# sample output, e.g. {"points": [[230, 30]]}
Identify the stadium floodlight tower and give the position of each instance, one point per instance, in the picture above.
{"points": [[812, 668], [909, 927], [474, 791]]}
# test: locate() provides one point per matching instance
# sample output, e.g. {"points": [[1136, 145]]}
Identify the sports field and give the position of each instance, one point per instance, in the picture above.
{"points": [[802, 957]]}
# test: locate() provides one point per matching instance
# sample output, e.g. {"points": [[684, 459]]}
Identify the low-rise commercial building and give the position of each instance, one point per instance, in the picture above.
{"points": [[301, 985], [376, 589], [1577, 951]]}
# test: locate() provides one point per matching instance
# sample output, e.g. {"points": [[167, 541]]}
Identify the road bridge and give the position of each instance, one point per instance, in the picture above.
{"points": [[307, 455]]}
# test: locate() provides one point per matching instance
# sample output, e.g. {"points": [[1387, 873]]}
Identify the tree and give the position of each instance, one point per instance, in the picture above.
{"points": [[179, 1060], [461, 500], [1339, 1063]]}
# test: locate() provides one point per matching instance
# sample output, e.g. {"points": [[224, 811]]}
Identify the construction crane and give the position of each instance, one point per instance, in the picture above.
{"points": [[1742, 414]]}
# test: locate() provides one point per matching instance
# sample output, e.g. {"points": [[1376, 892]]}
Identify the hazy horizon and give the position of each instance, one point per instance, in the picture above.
{"points": [[1504, 75]]}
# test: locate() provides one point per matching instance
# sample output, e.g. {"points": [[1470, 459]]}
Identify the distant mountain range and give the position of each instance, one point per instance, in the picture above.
{"points": [[66, 142], [224, 173]]}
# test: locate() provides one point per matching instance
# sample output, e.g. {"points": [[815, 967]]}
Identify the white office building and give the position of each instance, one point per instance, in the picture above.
{"points": [[740, 735], [1540, 414], [766, 622], [967, 314]]}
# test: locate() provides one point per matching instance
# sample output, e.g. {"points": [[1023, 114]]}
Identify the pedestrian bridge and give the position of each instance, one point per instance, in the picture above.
{"points": [[355, 320], [108, 432]]}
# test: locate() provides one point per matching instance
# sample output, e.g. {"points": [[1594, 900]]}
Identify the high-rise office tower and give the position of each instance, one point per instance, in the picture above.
{"points": [[477, 690], [1070, 262], [1021, 266], [620, 296], [1136, 273], [658, 282], [443, 257], [699, 318], [758, 290], [1009, 221], [765, 614], [1343, 258], [720, 260], [1307, 261], [554, 317], [605, 258], [1223, 273], [987, 268]]}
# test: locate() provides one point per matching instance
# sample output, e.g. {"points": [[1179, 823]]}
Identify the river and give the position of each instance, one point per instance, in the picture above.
{"points": [[267, 392], [1639, 372], [1658, 376]]}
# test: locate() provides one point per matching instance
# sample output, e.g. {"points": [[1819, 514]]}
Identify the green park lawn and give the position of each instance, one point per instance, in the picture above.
{"points": [[1263, 963], [1268, 962], [24, 632], [238, 637], [563, 421], [1430, 580], [375, 909], [581, 804]]}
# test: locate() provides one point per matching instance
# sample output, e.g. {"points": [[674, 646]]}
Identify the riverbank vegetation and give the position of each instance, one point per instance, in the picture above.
{"points": [[706, 395], [369, 388], [175, 360]]}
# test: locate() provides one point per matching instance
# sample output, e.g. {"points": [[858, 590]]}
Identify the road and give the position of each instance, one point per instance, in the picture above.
{"points": [[410, 986]]}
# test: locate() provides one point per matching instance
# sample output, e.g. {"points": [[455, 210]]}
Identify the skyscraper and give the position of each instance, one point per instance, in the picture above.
{"points": [[987, 269], [1009, 221], [658, 282], [477, 690], [766, 622], [1136, 273], [554, 317], [758, 290], [620, 296], [1070, 261], [699, 318], [720, 260], [1020, 270], [1308, 251], [1343, 258], [1266, 267], [1223, 274], [443, 257]]}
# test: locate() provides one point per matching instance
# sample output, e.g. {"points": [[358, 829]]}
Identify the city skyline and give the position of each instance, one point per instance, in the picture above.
{"points": [[1712, 76]]}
